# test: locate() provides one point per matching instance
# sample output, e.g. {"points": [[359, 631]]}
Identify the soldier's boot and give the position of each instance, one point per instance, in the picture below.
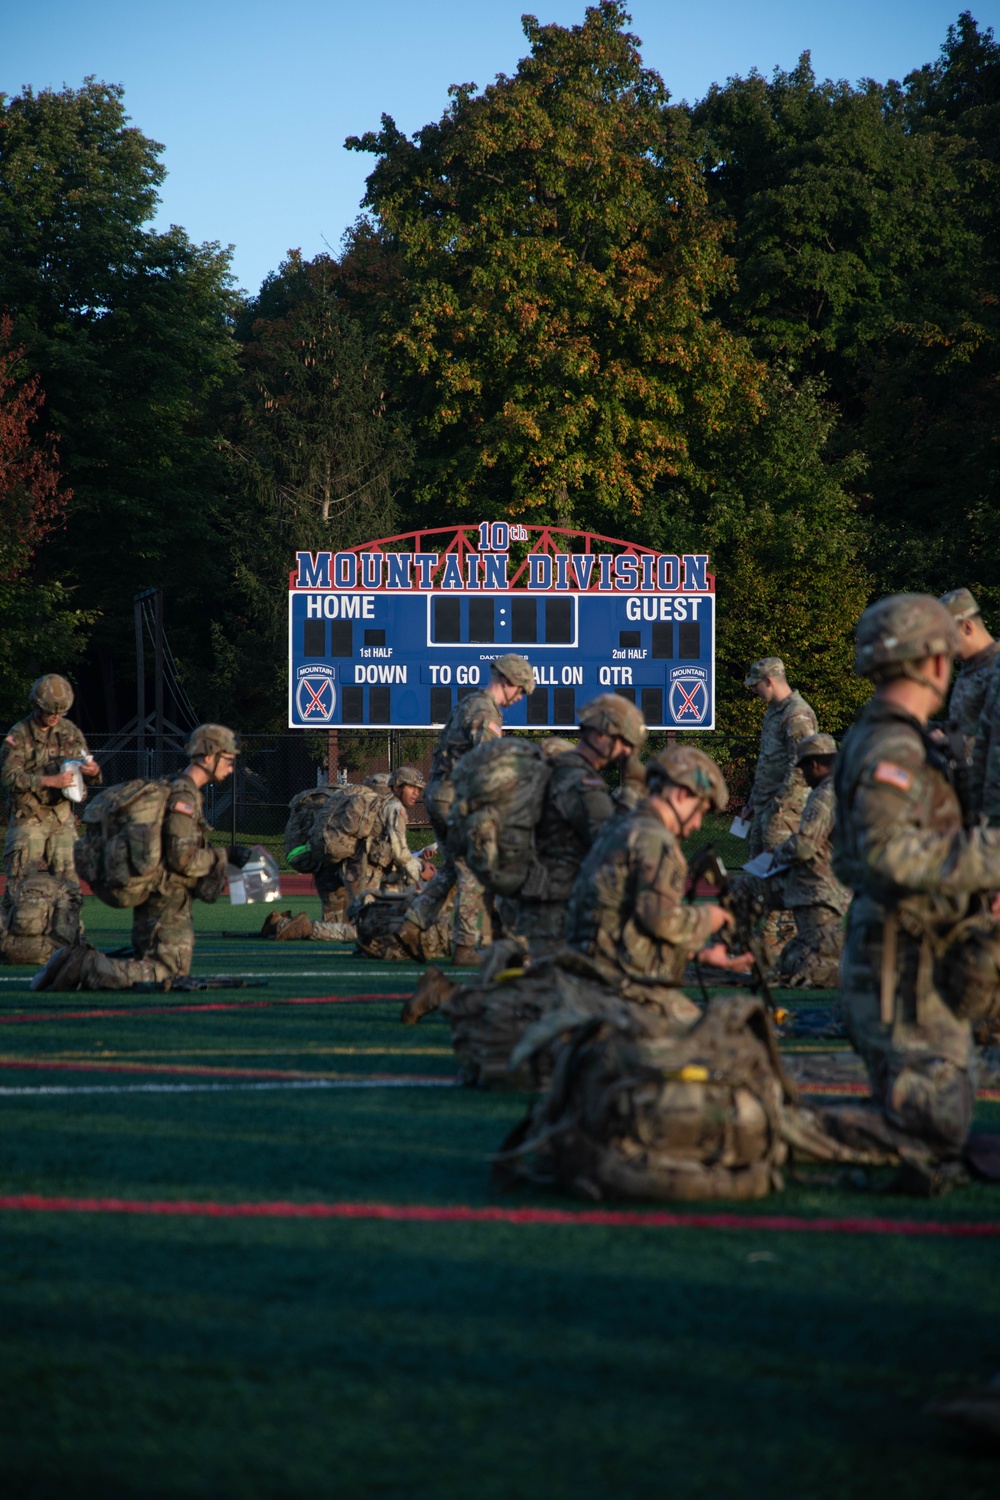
{"points": [[273, 921], [291, 928], [466, 957], [64, 968], [430, 994], [411, 936]]}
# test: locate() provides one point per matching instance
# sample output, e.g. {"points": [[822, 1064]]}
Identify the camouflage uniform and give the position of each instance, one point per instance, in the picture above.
{"points": [[812, 892], [968, 696], [162, 929], [577, 806], [984, 778], [388, 851], [900, 845], [471, 721], [779, 788], [42, 829], [628, 914]]}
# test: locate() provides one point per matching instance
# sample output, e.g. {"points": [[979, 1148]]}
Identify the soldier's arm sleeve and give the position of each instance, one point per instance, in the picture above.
{"points": [[14, 775], [485, 725], [891, 804], [660, 908], [985, 733], [798, 726], [395, 824], [184, 851], [586, 805], [814, 830]]}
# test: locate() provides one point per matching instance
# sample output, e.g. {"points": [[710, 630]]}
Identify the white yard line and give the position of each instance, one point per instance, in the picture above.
{"points": [[221, 1088]]}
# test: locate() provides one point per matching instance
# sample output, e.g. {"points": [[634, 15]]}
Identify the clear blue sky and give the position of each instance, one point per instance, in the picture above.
{"points": [[253, 100]]}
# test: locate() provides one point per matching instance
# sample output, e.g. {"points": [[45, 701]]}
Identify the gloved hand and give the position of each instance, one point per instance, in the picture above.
{"points": [[238, 855]]}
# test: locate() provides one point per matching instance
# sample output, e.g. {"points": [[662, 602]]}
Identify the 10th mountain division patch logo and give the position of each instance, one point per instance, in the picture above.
{"points": [[315, 694], [688, 695]]}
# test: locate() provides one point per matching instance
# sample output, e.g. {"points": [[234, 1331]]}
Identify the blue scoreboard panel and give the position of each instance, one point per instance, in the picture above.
{"points": [[384, 658]]}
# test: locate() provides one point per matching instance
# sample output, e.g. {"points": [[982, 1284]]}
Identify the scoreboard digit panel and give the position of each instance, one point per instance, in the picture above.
{"points": [[400, 657]]}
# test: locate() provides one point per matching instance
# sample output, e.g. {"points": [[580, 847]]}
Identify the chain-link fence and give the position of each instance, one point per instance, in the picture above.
{"points": [[252, 805]]}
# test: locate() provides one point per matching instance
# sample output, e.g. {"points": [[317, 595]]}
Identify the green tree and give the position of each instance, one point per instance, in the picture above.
{"points": [[316, 459], [130, 332], [36, 623], [932, 420], [551, 258]]}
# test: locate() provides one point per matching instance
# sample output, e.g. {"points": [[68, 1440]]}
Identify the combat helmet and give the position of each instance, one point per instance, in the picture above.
{"points": [[900, 630], [378, 781], [609, 713], [815, 747], [407, 776], [51, 694], [692, 769], [211, 739], [516, 669]]}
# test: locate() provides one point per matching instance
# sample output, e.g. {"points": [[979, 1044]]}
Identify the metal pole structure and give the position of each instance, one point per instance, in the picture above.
{"points": [[332, 756], [158, 660], [140, 689]]}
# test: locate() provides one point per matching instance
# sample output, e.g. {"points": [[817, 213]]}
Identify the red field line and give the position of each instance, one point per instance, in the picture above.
{"points": [[196, 1069], [863, 1088], [179, 1010], [463, 1214]]}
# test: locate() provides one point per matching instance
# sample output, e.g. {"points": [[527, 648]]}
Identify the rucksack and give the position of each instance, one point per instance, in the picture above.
{"points": [[327, 823], [635, 1110], [120, 852], [39, 913], [499, 792], [378, 918]]}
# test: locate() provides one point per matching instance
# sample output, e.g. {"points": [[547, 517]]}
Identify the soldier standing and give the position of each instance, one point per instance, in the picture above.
{"points": [[984, 773], [977, 652], [809, 888], [41, 829], [900, 844], [388, 855], [627, 912], [162, 929], [779, 789], [471, 721], [577, 805]]}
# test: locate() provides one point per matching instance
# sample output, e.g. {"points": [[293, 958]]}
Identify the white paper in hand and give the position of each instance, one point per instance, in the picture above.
{"points": [[740, 827]]}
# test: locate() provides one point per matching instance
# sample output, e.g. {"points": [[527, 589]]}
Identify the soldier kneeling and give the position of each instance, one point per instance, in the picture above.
{"points": [[162, 929]]}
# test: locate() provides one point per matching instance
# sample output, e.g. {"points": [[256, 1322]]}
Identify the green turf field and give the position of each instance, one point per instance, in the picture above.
{"points": [[191, 1353]]}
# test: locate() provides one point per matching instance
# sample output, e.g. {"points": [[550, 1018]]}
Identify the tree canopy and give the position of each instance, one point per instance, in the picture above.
{"points": [[764, 325]]}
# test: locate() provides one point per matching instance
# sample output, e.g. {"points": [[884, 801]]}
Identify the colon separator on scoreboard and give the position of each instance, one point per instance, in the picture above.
{"points": [[515, 619]]}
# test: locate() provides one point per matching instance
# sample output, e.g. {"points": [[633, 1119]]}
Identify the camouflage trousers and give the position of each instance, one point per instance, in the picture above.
{"points": [[163, 940], [470, 907], [921, 1059], [334, 932], [338, 885], [36, 845], [812, 958]]}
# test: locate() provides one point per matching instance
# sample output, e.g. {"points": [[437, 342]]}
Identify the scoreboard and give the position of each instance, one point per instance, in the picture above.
{"points": [[392, 639]]}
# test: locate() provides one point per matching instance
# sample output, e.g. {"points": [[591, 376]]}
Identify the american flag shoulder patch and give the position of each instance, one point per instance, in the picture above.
{"points": [[11, 739], [494, 728], [892, 775], [182, 807]]}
